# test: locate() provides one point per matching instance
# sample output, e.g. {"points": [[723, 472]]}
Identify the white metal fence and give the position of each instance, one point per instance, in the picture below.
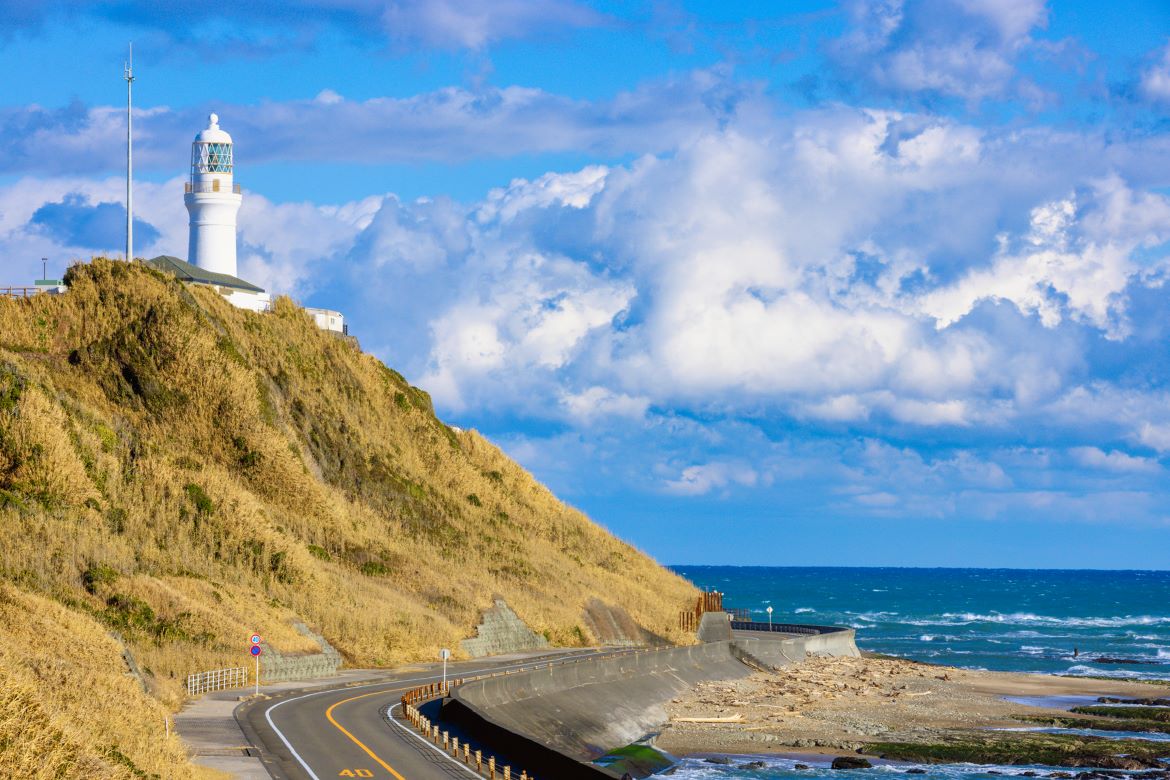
{"points": [[216, 680]]}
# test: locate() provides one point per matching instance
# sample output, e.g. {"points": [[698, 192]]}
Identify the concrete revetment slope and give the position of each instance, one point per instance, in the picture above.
{"points": [[501, 631], [586, 709]]}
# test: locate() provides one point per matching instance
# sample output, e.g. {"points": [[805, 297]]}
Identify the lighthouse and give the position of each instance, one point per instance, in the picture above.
{"points": [[213, 200]]}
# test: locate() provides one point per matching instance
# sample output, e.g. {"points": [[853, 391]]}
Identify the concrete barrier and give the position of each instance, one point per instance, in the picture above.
{"points": [[779, 650]]}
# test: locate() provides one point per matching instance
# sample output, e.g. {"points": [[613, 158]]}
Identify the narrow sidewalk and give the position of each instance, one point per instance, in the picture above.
{"points": [[209, 730]]}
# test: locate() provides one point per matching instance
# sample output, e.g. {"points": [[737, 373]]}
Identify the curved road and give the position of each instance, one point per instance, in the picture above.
{"points": [[344, 732]]}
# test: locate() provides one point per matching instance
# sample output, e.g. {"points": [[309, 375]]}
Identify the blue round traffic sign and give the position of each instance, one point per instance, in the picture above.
{"points": [[256, 650], [256, 639]]}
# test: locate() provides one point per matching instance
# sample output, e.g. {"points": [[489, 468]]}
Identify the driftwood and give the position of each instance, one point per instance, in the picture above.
{"points": [[736, 718]]}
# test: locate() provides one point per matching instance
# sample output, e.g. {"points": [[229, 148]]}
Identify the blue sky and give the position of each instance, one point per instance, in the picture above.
{"points": [[874, 281]]}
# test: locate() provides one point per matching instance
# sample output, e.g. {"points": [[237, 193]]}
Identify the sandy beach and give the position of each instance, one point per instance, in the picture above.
{"points": [[838, 705]]}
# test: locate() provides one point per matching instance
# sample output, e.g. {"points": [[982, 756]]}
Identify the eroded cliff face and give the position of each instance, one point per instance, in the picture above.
{"points": [[186, 473]]}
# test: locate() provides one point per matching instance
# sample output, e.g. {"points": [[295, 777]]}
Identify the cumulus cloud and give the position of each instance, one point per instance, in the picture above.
{"points": [[966, 49], [1067, 264], [836, 270], [857, 267], [75, 222]]}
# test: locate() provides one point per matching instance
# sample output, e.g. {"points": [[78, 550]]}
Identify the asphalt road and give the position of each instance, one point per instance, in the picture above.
{"points": [[345, 732]]}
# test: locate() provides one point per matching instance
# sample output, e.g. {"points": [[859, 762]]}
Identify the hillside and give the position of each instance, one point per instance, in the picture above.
{"points": [[176, 473]]}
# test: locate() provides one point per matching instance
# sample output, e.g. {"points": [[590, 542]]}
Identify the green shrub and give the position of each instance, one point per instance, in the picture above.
{"points": [[98, 576], [319, 552], [473, 499], [202, 502], [374, 569]]}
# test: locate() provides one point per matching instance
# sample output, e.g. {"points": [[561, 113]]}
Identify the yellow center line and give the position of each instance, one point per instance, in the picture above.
{"points": [[355, 740]]}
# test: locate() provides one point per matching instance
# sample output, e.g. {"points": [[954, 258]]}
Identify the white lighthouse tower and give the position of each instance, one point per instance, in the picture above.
{"points": [[213, 200]]}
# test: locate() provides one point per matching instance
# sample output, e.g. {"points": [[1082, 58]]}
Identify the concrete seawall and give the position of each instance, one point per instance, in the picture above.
{"points": [[584, 710]]}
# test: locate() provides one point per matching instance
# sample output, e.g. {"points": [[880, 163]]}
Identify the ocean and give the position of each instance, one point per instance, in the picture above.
{"points": [[1109, 623]]}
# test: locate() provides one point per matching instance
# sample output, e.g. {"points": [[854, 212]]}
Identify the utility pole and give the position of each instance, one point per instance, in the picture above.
{"points": [[128, 74]]}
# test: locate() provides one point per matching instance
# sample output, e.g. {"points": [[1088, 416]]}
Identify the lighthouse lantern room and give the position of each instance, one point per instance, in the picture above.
{"points": [[213, 200]]}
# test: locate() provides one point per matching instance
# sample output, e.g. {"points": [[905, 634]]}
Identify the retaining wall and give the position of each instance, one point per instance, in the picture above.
{"points": [[584, 710], [277, 666], [589, 708], [502, 631]]}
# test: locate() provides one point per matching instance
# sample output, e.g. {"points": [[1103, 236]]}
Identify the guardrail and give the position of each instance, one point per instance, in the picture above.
{"points": [[216, 680], [476, 760], [484, 766], [18, 292], [783, 628]]}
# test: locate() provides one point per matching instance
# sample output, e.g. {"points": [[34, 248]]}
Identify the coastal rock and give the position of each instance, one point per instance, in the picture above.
{"points": [[752, 765], [800, 766], [916, 771], [850, 762], [718, 760], [1138, 702]]}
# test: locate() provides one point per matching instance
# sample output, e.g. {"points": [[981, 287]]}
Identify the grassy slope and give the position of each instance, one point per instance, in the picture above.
{"points": [[183, 473]]}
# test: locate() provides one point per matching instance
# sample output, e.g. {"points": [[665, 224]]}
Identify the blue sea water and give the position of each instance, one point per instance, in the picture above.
{"points": [[1041, 621]]}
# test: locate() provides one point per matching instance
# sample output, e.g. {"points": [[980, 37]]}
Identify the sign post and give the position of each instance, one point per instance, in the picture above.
{"points": [[256, 651], [769, 617], [444, 654]]}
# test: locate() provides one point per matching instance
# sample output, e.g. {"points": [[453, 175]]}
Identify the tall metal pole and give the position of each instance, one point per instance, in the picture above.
{"points": [[128, 74]]}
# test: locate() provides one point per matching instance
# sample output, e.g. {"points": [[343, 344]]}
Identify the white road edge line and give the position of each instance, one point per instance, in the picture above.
{"points": [[303, 763], [436, 748]]}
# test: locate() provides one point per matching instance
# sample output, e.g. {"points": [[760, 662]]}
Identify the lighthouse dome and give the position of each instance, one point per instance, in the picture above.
{"points": [[212, 134]]}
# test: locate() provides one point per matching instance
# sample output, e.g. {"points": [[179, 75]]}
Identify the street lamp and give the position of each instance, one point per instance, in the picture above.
{"points": [[769, 617]]}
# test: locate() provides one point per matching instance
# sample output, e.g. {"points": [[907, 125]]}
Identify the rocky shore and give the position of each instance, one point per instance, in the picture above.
{"points": [[903, 710]]}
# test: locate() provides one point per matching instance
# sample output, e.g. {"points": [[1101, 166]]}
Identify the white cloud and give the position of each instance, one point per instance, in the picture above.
{"points": [[1066, 265], [595, 402], [1114, 460], [702, 478], [1155, 436], [1155, 79], [966, 49]]}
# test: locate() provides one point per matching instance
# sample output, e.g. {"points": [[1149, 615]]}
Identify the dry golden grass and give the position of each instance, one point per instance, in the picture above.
{"points": [[185, 473]]}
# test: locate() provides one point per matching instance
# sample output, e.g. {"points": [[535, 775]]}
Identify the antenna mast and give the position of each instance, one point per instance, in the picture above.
{"points": [[128, 74]]}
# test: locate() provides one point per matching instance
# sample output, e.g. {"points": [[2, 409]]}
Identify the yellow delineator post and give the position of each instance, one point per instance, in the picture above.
{"points": [[455, 746], [507, 773], [466, 754], [478, 761], [492, 768]]}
